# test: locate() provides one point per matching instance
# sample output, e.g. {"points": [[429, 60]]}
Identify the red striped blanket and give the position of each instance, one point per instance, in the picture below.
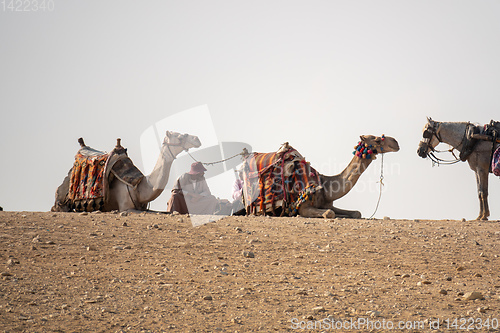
{"points": [[282, 179]]}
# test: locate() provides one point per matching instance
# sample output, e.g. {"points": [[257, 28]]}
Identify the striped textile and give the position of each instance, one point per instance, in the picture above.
{"points": [[278, 179]]}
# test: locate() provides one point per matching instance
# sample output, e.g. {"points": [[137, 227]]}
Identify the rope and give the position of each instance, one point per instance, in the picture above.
{"points": [[245, 152], [381, 185]]}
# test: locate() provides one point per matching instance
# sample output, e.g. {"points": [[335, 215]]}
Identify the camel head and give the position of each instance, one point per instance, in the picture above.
{"points": [[383, 144], [184, 141]]}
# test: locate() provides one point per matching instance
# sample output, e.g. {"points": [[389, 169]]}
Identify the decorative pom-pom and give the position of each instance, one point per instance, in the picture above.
{"points": [[368, 156], [364, 155], [370, 151]]}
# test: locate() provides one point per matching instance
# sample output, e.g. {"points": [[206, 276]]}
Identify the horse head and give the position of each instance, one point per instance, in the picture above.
{"points": [[430, 138]]}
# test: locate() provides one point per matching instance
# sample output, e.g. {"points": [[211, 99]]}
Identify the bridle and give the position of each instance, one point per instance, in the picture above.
{"points": [[433, 131], [181, 143]]}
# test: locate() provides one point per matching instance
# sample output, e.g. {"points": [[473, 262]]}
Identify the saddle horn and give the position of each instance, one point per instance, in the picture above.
{"points": [[81, 142]]}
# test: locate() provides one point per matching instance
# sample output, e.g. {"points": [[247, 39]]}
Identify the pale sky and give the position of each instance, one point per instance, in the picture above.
{"points": [[314, 73]]}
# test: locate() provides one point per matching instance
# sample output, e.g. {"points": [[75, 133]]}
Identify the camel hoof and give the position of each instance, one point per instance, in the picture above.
{"points": [[356, 215], [329, 214]]}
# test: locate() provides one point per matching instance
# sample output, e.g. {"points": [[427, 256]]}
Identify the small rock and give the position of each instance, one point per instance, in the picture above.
{"points": [[125, 224], [5, 274], [175, 212], [123, 214], [208, 298], [386, 218], [91, 248], [448, 278], [236, 320], [421, 283], [12, 262], [117, 248], [443, 292], [481, 309], [405, 276], [478, 275], [238, 229], [374, 313], [472, 295], [248, 254], [83, 213], [460, 268], [36, 239], [275, 263], [464, 220], [318, 309]]}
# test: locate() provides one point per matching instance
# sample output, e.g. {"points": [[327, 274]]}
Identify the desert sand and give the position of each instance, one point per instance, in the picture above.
{"points": [[106, 272]]}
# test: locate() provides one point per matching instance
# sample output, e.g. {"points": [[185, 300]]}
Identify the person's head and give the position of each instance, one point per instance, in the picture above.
{"points": [[197, 170]]}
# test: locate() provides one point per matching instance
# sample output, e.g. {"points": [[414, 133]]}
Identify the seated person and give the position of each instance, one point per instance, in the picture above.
{"points": [[191, 193], [237, 206]]}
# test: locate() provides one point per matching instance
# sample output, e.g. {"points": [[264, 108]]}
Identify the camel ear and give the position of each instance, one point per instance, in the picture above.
{"points": [[429, 119], [169, 134], [362, 137]]}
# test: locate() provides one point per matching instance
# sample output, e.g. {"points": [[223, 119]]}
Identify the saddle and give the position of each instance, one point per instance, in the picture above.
{"points": [[278, 182], [93, 171], [469, 142]]}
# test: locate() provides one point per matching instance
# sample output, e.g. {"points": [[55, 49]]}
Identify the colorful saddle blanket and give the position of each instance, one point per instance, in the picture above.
{"points": [[93, 171], [282, 179], [495, 162]]}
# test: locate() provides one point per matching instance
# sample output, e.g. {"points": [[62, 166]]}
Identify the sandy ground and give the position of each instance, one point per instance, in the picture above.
{"points": [[103, 272]]}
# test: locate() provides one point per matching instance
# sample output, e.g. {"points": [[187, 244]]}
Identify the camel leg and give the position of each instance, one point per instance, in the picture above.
{"points": [[354, 214], [482, 191], [316, 212]]}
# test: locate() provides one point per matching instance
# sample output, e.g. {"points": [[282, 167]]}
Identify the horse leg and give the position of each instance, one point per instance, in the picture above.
{"points": [[482, 191]]}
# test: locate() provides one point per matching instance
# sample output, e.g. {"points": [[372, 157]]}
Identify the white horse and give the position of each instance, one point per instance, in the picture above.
{"points": [[479, 159]]}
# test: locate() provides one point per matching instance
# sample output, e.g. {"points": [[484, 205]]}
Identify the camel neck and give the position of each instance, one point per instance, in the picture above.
{"points": [[339, 185], [158, 178]]}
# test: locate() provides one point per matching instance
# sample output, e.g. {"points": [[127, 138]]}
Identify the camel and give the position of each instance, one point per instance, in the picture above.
{"points": [[477, 153], [317, 196], [123, 197], [335, 187]]}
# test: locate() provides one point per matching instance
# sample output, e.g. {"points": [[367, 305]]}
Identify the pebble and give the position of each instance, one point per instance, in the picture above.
{"points": [[472, 295], [125, 224], [460, 268], [91, 248], [482, 309], [318, 309], [405, 276], [117, 248], [248, 254], [12, 262], [421, 283], [208, 298], [374, 313], [123, 214], [5, 274], [443, 292]]}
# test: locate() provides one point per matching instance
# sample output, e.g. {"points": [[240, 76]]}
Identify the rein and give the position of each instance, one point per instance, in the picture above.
{"points": [[429, 133], [243, 153]]}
